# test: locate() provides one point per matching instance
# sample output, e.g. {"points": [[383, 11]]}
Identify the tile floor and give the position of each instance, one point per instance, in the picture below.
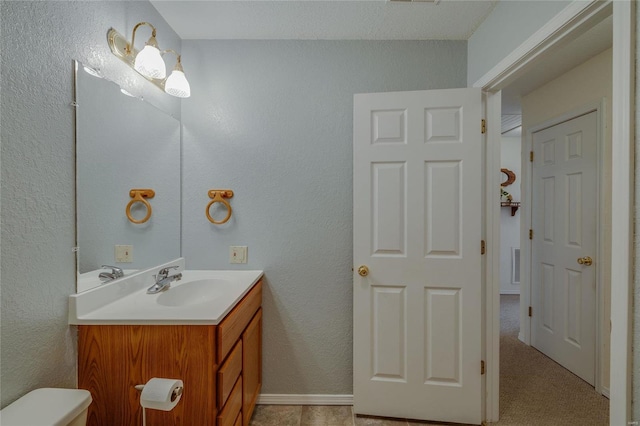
{"points": [[316, 415]]}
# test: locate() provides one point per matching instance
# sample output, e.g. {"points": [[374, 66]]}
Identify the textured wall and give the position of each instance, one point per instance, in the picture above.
{"points": [[272, 120], [510, 148], [39, 41], [507, 27]]}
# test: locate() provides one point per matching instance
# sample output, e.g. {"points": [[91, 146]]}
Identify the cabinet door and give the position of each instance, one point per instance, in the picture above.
{"points": [[251, 365]]}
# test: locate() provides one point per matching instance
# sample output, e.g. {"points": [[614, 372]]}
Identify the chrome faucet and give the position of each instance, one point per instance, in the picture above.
{"points": [[164, 280], [110, 276]]}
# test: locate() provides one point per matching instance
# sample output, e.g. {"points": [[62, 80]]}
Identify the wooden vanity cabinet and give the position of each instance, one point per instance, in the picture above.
{"points": [[220, 365], [252, 365]]}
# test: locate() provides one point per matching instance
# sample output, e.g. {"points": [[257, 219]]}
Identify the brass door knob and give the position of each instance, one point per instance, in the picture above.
{"points": [[587, 261], [363, 271]]}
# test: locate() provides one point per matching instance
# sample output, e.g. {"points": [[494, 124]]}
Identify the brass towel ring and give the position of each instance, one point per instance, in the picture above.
{"points": [[139, 196], [218, 196]]}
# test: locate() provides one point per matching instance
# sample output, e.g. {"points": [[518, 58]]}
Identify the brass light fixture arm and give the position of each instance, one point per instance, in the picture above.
{"points": [[133, 36], [178, 60]]}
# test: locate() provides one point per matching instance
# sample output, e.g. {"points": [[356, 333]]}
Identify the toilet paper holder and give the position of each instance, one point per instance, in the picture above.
{"points": [[174, 394]]}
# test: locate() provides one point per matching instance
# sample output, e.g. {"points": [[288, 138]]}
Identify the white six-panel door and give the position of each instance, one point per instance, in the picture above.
{"points": [[417, 228], [564, 224], [564, 232]]}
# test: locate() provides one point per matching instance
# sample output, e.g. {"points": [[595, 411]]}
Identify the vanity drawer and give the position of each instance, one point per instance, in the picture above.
{"points": [[231, 328], [230, 412], [229, 373]]}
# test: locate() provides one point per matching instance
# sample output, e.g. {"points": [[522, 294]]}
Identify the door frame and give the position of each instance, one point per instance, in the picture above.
{"points": [[527, 223], [569, 21]]}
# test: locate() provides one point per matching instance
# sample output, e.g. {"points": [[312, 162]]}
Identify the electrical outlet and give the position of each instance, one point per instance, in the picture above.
{"points": [[238, 254], [124, 254]]}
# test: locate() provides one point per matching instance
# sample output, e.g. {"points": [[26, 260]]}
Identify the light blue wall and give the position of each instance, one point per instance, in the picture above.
{"points": [[507, 27], [39, 41], [272, 120]]}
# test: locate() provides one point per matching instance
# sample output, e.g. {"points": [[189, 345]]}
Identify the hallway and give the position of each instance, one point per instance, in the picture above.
{"points": [[534, 390]]}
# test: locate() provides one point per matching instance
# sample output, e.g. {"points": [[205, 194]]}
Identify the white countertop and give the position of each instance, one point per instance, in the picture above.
{"points": [[201, 297]]}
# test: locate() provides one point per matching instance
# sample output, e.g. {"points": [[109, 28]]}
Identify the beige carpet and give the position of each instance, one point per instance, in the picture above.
{"points": [[534, 390]]}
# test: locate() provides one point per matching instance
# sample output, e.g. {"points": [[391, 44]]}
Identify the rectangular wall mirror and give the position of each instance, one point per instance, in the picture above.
{"points": [[123, 143]]}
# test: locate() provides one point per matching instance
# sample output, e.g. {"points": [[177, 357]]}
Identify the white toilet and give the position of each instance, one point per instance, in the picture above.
{"points": [[48, 407]]}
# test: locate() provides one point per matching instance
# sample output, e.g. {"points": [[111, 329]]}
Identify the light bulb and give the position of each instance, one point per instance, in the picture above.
{"points": [[149, 63], [177, 85]]}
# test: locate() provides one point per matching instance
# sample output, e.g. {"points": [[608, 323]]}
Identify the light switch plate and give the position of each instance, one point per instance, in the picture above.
{"points": [[124, 254], [238, 254]]}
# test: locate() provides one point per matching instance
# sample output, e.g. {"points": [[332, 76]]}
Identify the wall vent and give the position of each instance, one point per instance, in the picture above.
{"points": [[515, 265]]}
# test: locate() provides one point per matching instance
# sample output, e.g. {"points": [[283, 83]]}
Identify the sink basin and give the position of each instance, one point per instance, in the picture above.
{"points": [[201, 297], [192, 292]]}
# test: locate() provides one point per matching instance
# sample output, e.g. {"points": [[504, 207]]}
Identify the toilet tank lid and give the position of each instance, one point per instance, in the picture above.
{"points": [[46, 407]]}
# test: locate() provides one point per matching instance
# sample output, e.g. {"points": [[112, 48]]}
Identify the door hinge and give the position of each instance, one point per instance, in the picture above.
{"points": [[530, 311], [483, 247], [531, 156], [481, 367], [483, 126], [531, 234]]}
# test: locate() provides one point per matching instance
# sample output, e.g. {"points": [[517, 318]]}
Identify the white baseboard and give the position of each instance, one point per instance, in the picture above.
{"points": [[605, 392], [521, 337], [510, 291], [293, 399]]}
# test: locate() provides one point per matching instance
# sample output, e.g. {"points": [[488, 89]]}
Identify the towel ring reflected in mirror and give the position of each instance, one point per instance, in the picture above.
{"points": [[140, 196]]}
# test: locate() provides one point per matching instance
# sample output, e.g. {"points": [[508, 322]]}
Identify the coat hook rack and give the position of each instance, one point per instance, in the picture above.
{"points": [[140, 196], [218, 196]]}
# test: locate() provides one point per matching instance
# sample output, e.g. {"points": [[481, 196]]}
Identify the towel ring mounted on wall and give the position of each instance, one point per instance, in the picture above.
{"points": [[140, 196], [218, 196]]}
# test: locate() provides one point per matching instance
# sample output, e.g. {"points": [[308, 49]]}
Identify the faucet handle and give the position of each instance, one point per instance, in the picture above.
{"points": [[117, 272], [164, 272]]}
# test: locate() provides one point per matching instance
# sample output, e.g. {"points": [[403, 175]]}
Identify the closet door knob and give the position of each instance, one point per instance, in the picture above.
{"points": [[587, 261], [363, 271]]}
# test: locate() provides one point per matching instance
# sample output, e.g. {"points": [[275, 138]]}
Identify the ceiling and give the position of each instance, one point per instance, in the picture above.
{"points": [[595, 40], [371, 20], [324, 20]]}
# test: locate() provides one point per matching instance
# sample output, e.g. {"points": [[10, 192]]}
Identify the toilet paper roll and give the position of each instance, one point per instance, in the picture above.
{"points": [[161, 394]]}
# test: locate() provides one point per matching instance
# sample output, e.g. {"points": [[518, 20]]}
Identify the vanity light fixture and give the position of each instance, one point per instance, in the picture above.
{"points": [[149, 62]]}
